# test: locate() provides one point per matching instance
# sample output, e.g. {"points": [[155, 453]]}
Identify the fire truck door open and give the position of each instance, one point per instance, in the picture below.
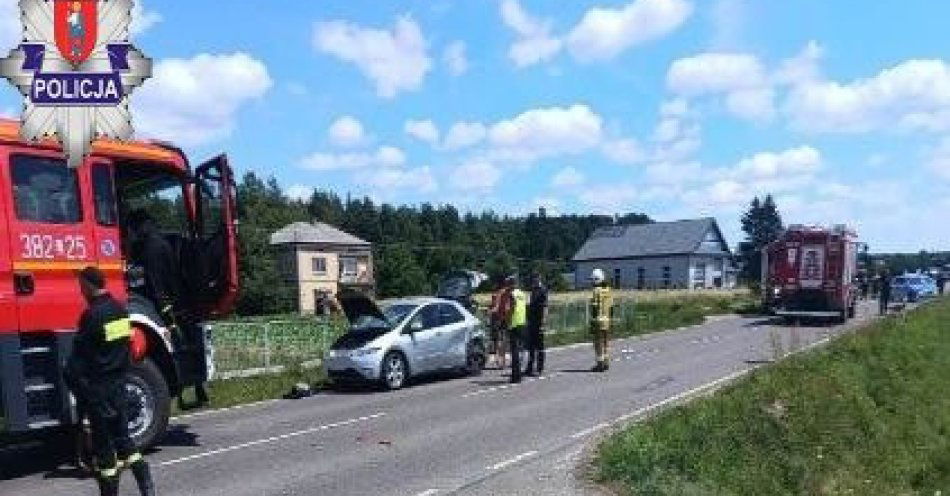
{"points": [[215, 276], [49, 237]]}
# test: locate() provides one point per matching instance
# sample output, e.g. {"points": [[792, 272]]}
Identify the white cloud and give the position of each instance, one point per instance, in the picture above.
{"points": [[794, 161], [755, 104], [802, 68], [385, 156], [142, 19], [395, 61], [455, 58], [567, 177], [299, 192], [939, 161], [346, 131], [535, 42], [545, 132], [11, 31], [740, 77], [913, 95], [477, 175], [464, 134], [714, 73], [603, 32], [624, 151], [423, 131], [609, 198], [194, 101], [419, 179]]}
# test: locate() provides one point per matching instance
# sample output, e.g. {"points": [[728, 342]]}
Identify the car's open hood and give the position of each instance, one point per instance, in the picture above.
{"points": [[356, 305]]}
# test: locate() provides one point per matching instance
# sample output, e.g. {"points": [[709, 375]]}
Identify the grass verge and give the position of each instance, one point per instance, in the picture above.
{"points": [[870, 414], [232, 392], [644, 317]]}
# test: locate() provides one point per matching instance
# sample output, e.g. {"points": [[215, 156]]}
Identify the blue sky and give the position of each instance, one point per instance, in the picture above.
{"points": [[675, 108]]}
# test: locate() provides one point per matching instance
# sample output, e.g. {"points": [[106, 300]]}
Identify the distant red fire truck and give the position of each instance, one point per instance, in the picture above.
{"points": [[809, 272]]}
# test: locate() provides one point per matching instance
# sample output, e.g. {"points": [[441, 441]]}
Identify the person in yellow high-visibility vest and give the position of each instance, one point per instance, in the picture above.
{"points": [[516, 324], [600, 303]]}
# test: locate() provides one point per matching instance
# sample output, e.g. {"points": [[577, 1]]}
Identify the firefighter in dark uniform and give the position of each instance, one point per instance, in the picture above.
{"points": [[161, 284], [96, 372]]}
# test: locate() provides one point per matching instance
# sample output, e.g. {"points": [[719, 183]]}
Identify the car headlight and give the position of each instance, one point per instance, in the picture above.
{"points": [[364, 352], [776, 291]]}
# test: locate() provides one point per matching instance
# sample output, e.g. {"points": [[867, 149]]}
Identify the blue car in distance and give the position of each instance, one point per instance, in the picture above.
{"points": [[913, 287]]}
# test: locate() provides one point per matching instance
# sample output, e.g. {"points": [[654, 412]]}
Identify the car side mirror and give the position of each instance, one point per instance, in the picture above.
{"points": [[414, 326]]}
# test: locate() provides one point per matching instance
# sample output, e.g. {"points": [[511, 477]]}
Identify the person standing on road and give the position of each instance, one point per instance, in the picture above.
{"points": [[498, 319], [96, 372], [600, 304], [537, 319], [884, 294], [162, 286], [941, 282], [516, 324]]}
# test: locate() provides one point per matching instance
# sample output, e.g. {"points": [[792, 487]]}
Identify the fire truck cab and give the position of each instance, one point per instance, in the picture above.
{"points": [[55, 220], [810, 272]]}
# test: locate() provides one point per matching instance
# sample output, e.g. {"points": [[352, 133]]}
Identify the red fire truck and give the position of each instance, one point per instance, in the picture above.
{"points": [[54, 220], [809, 272]]}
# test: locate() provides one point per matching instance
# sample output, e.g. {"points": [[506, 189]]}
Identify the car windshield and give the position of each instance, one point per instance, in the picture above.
{"points": [[394, 315]]}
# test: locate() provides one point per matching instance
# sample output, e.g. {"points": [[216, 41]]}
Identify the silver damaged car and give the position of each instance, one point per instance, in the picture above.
{"points": [[400, 339]]}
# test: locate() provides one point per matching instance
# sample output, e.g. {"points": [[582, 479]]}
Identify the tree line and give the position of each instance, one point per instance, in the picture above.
{"points": [[412, 245]]}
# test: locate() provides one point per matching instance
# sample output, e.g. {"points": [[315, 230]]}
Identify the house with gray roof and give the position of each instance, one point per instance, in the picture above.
{"points": [[682, 254], [319, 260]]}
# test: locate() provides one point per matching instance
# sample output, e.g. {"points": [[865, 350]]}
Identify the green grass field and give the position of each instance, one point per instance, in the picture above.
{"points": [[869, 415]]}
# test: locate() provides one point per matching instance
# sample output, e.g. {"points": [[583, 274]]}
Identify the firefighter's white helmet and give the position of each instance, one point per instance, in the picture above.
{"points": [[597, 276]]}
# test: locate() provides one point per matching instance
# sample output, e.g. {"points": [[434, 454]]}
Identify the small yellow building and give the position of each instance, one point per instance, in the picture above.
{"points": [[319, 259]]}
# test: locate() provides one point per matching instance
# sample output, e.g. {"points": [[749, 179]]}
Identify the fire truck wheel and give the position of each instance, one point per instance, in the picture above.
{"points": [[149, 403]]}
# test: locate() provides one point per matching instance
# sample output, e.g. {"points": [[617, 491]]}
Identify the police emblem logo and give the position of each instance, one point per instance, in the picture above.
{"points": [[76, 70], [74, 26]]}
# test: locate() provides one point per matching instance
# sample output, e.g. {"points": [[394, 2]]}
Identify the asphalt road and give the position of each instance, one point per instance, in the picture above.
{"points": [[463, 436]]}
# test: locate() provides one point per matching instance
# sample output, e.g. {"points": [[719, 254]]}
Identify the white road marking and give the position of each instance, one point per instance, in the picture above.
{"points": [[492, 389], [590, 430], [511, 461], [222, 410], [428, 492], [270, 439]]}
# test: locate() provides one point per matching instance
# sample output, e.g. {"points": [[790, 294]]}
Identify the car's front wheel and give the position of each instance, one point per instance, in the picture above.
{"points": [[394, 371]]}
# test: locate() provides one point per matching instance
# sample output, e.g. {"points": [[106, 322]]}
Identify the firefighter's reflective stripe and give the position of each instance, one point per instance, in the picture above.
{"points": [[109, 472], [600, 305], [519, 314], [134, 457], [118, 329]]}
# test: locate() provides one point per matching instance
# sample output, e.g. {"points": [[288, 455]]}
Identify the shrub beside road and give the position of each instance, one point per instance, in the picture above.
{"points": [[869, 414]]}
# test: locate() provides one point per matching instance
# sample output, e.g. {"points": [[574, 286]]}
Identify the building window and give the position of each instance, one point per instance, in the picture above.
{"points": [[641, 277], [348, 266], [45, 190], [319, 265], [667, 276]]}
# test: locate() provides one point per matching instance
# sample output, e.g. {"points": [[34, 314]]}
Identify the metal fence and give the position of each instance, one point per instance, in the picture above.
{"points": [[249, 348]]}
